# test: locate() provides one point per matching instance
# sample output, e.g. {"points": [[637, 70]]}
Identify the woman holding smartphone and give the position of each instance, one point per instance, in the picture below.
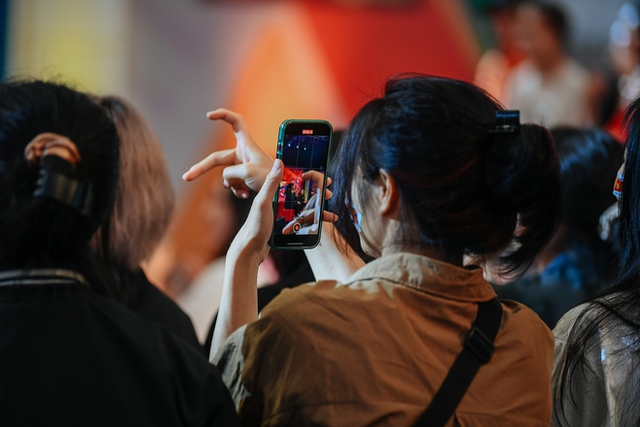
{"points": [[426, 177]]}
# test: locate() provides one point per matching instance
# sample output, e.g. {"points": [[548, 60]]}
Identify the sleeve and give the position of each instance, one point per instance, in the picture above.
{"points": [[230, 363], [580, 397]]}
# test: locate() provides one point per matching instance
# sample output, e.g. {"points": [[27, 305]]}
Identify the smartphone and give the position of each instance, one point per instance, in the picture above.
{"points": [[303, 147]]}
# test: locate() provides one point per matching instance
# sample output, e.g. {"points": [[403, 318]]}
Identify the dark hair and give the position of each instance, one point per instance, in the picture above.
{"points": [[42, 232], [629, 277], [462, 188], [589, 160], [614, 307]]}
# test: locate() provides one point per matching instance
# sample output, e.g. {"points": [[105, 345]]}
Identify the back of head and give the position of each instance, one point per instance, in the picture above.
{"points": [[463, 186], [42, 231], [589, 160], [629, 277], [145, 197]]}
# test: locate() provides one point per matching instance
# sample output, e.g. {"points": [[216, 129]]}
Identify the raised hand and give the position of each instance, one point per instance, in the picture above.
{"points": [[245, 166]]}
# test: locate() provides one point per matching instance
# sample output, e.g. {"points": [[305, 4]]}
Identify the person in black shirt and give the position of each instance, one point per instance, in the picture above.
{"points": [[70, 354], [143, 207]]}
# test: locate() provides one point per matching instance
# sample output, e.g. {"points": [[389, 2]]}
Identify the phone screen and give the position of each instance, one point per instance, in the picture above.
{"points": [[303, 147]]}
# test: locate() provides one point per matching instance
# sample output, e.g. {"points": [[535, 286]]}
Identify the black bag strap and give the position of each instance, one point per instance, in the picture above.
{"points": [[478, 350]]}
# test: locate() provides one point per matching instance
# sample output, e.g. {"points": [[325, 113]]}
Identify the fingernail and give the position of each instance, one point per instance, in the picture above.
{"points": [[276, 166], [184, 176]]}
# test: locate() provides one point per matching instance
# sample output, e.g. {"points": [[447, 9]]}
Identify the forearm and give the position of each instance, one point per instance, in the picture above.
{"points": [[239, 300], [329, 261]]}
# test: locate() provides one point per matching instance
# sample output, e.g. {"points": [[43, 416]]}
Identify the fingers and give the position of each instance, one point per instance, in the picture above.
{"points": [[218, 158], [315, 176], [235, 174], [328, 194], [240, 191], [329, 216], [318, 178], [236, 121]]}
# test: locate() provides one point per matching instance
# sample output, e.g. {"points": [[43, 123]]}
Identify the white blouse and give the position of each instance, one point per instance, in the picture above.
{"points": [[605, 386]]}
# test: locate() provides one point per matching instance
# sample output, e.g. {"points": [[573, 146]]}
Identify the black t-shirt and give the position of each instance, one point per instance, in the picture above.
{"points": [[70, 357], [142, 297]]}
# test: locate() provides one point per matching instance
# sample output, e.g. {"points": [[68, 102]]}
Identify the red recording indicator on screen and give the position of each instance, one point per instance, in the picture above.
{"points": [[307, 131]]}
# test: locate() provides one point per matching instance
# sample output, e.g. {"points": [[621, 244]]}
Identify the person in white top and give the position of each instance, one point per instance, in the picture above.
{"points": [[494, 66], [548, 87], [596, 373]]}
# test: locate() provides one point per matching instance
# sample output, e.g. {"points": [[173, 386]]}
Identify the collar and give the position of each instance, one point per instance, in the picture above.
{"points": [[428, 275], [41, 276]]}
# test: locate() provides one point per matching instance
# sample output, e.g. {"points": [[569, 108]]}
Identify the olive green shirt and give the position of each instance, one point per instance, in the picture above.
{"points": [[373, 351]]}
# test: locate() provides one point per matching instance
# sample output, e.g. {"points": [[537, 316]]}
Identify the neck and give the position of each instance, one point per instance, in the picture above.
{"points": [[427, 251]]}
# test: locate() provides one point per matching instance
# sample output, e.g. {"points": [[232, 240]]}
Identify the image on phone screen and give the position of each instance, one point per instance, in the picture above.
{"points": [[298, 209]]}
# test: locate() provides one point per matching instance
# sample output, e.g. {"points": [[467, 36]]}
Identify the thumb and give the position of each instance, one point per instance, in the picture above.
{"points": [[271, 182]]}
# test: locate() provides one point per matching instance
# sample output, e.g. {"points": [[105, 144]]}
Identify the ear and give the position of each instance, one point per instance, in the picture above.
{"points": [[388, 194]]}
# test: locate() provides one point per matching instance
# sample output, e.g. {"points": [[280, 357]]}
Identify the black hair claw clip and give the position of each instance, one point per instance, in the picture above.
{"points": [[507, 121]]}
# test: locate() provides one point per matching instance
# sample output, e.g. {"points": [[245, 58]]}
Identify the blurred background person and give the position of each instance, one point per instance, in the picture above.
{"points": [[576, 264], [548, 87], [496, 63], [624, 48], [624, 55], [596, 374], [143, 208]]}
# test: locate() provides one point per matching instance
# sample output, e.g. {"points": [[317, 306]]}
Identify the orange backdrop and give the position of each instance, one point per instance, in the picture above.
{"points": [[322, 60]]}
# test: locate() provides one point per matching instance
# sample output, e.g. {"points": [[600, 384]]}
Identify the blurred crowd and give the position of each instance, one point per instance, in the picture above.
{"points": [[491, 225], [530, 69]]}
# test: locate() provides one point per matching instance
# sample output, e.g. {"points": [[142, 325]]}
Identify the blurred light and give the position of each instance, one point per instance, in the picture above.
{"points": [[619, 34], [628, 14], [626, 23]]}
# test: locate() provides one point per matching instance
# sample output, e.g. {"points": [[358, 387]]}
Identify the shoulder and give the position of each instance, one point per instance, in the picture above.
{"points": [[309, 296], [285, 324], [157, 306], [173, 363], [525, 322], [568, 321], [604, 326], [616, 311]]}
